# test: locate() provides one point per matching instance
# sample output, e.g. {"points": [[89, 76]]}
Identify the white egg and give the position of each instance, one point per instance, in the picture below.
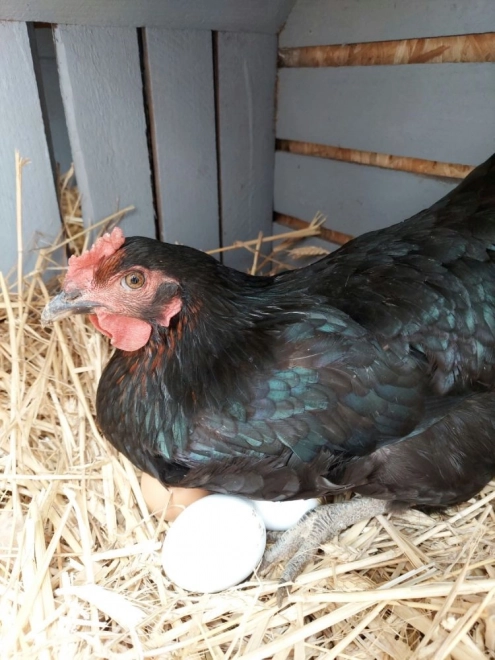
{"points": [[280, 516], [214, 544]]}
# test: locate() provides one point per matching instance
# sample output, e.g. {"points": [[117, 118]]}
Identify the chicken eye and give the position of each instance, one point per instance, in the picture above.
{"points": [[134, 280]]}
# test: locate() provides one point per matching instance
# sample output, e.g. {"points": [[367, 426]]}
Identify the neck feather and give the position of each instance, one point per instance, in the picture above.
{"points": [[224, 333]]}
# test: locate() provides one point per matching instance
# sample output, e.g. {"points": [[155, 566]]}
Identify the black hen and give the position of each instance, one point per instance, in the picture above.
{"points": [[371, 370]]}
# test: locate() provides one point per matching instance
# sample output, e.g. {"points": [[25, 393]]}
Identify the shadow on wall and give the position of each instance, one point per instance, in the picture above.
{"points": [[52, 98]]}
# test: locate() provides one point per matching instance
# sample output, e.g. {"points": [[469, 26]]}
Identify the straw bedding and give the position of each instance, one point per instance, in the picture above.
{"points": [[80, 556]]}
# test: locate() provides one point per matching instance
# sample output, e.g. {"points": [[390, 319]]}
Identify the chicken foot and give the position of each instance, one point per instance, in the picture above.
{"points": [[299, 544]]}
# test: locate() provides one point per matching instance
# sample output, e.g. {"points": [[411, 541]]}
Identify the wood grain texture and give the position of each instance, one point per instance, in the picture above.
{"points": [[461, 48], [320, 22], [437, 112], [353, 198], [182, 114], [231, 15], [246, 105], [102, 91], [22, 128], [388, 161]]}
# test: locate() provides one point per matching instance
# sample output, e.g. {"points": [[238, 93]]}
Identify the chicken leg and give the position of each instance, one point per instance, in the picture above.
{"points": [[299, 544]]}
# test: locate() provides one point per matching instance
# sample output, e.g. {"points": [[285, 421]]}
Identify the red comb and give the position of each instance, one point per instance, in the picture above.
{"points": [[80, 271]]}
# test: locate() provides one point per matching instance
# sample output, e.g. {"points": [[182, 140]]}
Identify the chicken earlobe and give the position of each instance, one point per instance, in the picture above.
{"points": [[170, 310]]}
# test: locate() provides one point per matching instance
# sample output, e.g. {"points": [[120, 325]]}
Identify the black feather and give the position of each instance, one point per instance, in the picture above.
{"points": [[372, 369]]}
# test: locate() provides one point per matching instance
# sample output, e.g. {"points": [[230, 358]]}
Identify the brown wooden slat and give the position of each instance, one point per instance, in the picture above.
{"points": [[387, 161], [461, 48], [329, 235]]}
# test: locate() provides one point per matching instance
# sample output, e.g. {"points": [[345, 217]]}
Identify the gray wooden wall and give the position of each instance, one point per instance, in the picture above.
{"points": [[22, 128], [52, 98], [171, 108], [440, 112], [168, 107]]}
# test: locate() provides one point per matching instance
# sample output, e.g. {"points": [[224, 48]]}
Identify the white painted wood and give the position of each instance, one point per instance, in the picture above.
{"points": [[246, 105], [22, 128], [321, 22], [102, 91], [232, 15], [53, 98], [182, 117], [437, 111], [354, 198]]}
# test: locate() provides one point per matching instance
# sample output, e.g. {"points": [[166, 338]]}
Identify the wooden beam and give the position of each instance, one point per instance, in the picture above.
{"points": [[22, 128], [52, 97], [462, 48], [246, 75], [353, 198], [438, 112], [387, 161], [181, 103], [101, 85], [329, 235], [229, 15], [316, 22]]}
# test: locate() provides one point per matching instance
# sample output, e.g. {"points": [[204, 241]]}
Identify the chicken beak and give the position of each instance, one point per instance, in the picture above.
{"points": [[66, 304]]}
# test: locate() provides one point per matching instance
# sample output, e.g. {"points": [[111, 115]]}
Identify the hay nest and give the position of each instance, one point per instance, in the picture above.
{"points": [[80, 555]]}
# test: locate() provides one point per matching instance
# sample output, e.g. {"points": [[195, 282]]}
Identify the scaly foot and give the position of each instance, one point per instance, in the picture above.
{"points": [[300, 543]]}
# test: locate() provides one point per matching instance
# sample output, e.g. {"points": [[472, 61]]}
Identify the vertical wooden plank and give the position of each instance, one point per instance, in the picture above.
{"points": [[100, 78], [182, 117], [246, 107], [53, 99], [21, 128]]}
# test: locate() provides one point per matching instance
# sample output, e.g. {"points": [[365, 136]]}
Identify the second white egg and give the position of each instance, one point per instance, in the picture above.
{"points": [[280, 516]]}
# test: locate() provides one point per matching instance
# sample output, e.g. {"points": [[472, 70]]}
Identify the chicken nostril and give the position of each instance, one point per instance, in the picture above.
{"points": [[72, 295]]}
